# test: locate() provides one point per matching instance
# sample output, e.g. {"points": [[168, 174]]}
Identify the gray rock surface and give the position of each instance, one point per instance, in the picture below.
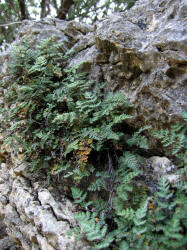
{"points": [[158, 167], [34, 219], [5, 242], [146, 51], [141, 52]]}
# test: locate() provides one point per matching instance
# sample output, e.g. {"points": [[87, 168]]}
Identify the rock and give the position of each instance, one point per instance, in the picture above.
{"points": [[173, 178], [161, 165], [34, 219], [146, 49], [5, 242], [142, 53], [20, 169], [157, 167]]}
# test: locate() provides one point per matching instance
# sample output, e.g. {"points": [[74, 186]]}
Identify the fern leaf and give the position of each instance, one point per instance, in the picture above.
{"points": [[71, 146], [78, 195], [130, 160]]}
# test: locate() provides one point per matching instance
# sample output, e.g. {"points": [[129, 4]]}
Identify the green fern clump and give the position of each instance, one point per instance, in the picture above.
{"points": [[165, 224], [93, 227], [175, 139], [143, 222], [53, 110], [139, 140]]}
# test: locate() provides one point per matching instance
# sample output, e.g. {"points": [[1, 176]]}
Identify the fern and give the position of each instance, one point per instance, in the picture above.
{"points": [[162, 199], [129, 160], [127, 213], [140, 219], [93, 230], [97, 185], [172, 235], [78, 195], [175, 139], [123, 245], [106, 242], [71, 146], [138, 139]]}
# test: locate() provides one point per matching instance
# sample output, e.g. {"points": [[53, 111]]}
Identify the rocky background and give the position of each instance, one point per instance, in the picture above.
{"points": [[141, 52], [5, 242]]}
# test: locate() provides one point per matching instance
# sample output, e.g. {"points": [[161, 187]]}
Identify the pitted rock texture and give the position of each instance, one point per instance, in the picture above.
{"points": [[34, 219], [145, 52], [38, 216], [5, 242]]}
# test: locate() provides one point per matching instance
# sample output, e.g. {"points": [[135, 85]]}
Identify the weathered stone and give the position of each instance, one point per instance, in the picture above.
{"points": [[142, 52], [20, 169], [5, 242], [162, 166], [147, 50], [156, 167], [34, 219]]}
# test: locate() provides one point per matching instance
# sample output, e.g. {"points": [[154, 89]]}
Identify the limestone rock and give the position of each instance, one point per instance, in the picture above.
{"points": [[5, 242], [34, 219], [146, 49], [142, 53], [162, 166], [156, 167]]}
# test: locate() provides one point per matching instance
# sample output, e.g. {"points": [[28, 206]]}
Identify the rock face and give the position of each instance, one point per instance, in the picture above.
{"points": [[145, 52], [36, 217], [142, 53], [5, 243]]}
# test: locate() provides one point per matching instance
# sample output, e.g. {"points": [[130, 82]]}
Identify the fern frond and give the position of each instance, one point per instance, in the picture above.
{"points": [[78, 195], [106, 241], [97, 185], [92, 229], [139, 140], [140, 219], [129, 160]]}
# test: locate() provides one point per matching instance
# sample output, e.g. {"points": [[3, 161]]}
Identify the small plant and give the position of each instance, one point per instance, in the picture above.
{"points": [[175, 139]]}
